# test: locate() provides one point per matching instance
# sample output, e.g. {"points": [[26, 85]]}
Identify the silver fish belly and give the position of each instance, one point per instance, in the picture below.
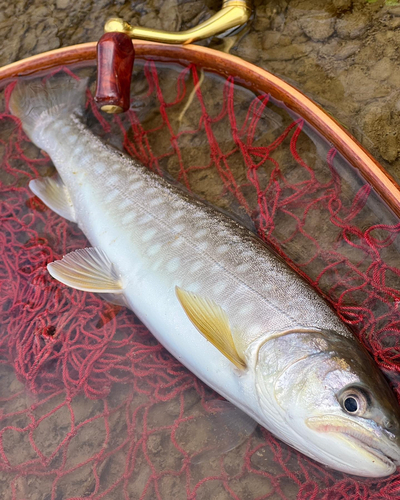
{"points": [[216, 297]]}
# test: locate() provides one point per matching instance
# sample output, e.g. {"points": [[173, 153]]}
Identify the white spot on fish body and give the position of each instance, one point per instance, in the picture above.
{"points": [[176, 214], [173, 264], [150, 191], [246, 309], [99, 168], [111, 196], [155, 202], [194, 287], [87, 158], [177, 242], [144, 219], [178, 228], [66, 130], [135, 185], [243, 267], [155, 265], [154, 249], [196, 266], [201, 233], [129, 217], [125, 203], [112, 179], [219, 288], [149, 234], [222, 249], [202, 246], [246, 254]]}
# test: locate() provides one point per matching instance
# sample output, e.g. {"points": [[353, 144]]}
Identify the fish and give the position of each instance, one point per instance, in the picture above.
{"points": [[211, 291]]}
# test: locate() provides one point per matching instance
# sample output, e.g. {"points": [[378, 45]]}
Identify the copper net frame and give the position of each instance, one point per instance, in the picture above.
{"points": [[247, 75], [140, 354]]}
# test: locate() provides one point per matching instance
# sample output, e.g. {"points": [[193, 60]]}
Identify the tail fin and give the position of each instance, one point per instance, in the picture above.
{"points": [[37, 104]]}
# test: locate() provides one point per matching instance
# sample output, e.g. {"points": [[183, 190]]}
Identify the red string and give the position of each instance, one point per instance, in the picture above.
{"points": [[66, 345]]}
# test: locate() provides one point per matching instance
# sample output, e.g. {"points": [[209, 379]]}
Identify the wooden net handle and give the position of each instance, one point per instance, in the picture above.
{"points": [[115, 55]]}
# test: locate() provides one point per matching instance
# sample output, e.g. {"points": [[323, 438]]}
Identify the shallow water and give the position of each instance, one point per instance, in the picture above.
{"points": [[124, 437]]}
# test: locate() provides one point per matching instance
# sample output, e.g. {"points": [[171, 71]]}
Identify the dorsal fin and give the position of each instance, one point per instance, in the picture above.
{"points": [[212, 322]]}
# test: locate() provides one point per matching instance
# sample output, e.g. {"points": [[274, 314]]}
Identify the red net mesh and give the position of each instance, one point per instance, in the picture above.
{"points": [[99, 409]]}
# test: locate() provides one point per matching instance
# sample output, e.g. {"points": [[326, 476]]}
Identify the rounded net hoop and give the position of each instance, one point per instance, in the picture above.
{"points": [[91, 405]]}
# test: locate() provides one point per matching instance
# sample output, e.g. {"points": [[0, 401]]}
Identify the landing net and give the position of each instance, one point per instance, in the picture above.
{"points": [[91, 405]]}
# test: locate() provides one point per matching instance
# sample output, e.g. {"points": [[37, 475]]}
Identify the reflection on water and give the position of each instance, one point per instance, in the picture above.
{"points": [[97, 407]]}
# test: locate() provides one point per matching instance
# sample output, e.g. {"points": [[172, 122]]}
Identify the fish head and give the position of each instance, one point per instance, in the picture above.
{"points": [[331, 401]]}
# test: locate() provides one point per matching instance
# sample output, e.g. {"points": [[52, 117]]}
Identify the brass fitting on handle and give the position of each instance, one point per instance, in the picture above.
{"points": [[234, 13]]}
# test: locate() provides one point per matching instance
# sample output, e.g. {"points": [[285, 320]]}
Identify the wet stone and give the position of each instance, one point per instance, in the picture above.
{"points": [[347, 50], [393, 23], [342, 5], [318, 27], [62, 4], [379, 122], [47, 35], [262, 23], [294, 51], [395, 10], [361, 86], [248, 47], [270, 38], [382, 69], [190, 10], [365, 56], [278, 22], [29, 41], [388, 147], [41, 12], [394, 77], [170, 19], [285, 40], [150, 20], [352, 25]]}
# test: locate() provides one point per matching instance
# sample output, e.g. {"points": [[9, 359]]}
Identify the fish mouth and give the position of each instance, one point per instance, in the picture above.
{"points": [[386, 458], [371, 441]]}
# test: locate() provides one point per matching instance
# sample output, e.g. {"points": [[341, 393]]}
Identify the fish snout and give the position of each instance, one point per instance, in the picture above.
{"points": [[391, 445]]}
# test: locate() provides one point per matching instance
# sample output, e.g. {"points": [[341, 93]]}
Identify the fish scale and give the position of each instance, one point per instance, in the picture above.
{"points": [[246, 268], [212, 293]]}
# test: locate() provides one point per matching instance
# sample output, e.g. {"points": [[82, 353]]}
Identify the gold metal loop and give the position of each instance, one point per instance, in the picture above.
{"points": [[234, 13]]}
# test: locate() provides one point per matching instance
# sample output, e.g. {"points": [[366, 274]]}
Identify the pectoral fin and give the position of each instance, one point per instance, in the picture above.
{"points": [[89, 270], [212, 322], [53, 192]]}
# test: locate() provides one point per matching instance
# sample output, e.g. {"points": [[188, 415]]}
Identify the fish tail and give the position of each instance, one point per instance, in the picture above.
{"points": [[39, 104]]}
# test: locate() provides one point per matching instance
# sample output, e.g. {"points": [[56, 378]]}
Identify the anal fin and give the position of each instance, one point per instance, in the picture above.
{"points": [[53, 192], [88, 269]]}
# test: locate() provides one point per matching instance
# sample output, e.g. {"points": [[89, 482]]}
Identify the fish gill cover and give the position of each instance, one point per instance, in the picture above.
{"points": [[100, 409]]}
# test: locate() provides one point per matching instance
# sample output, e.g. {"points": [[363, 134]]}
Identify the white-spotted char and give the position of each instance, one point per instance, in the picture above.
{"points": [[212, 293]]}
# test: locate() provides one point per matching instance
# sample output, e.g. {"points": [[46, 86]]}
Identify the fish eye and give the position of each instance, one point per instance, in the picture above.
{"points": [[351, 404], [354, 401]]}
